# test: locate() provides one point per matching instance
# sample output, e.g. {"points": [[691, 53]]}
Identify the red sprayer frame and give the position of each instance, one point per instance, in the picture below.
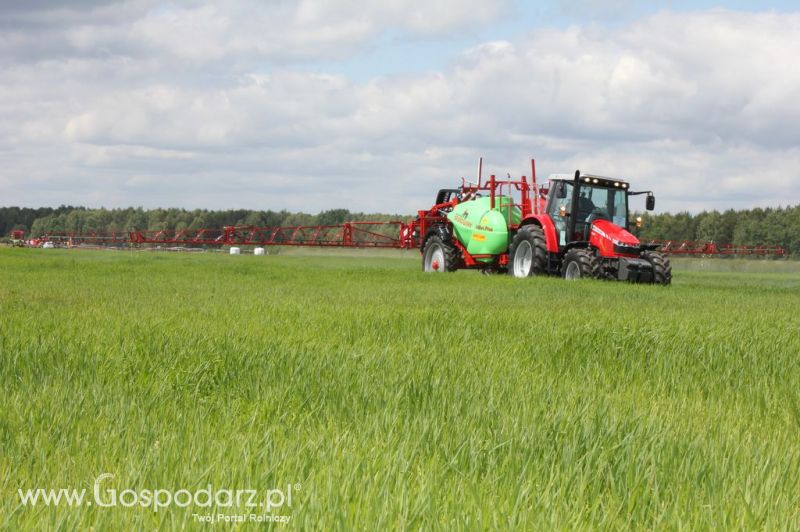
{"points": [[97, 238], [686, 247], [348, 234]]}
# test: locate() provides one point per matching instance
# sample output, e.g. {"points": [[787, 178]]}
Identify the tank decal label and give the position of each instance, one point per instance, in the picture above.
{"points": [[463, 221], [479, 237]]}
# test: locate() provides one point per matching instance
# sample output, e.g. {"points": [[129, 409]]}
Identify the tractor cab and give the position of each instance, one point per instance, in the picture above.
{"points": [[574, 204], [586, 204]]}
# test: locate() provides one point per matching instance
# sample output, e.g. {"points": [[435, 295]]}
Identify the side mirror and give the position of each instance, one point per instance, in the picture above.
{"points": [[561, 191], [650, 202]]}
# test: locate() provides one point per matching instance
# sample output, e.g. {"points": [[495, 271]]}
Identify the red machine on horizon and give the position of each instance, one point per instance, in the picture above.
{"points": [[17, 238]]}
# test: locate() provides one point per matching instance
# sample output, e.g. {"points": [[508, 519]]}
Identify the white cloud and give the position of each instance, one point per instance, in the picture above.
{"points": [[700, 107], [241, 31], [423, 16]]}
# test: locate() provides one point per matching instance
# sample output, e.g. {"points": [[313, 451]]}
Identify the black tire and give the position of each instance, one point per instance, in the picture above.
{"points": [[527, 255], [662, 269], [439, 255], [580, 264]]}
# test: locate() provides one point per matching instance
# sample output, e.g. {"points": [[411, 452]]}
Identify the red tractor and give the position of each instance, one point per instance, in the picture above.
{"points": [[576, 227]]}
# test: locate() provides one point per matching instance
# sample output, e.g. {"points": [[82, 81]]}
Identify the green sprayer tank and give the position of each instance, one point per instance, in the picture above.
{"points": [[481, 229]]}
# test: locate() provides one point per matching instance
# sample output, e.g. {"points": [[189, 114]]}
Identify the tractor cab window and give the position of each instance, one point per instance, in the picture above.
{"points": [[620, 213], [599, 203], [446, 194], [560, 196], [585, 204]]}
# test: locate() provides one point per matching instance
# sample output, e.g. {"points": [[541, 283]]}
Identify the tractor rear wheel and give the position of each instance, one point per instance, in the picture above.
{"points": [[580, 264], [439, 256], [527, 254], [662, 269]]}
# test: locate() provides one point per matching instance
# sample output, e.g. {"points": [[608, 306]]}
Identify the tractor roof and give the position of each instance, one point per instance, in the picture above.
{"points": [[591, 179]]}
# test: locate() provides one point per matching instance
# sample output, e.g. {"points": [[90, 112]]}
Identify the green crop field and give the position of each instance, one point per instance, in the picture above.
{"points": [[377, 397]]}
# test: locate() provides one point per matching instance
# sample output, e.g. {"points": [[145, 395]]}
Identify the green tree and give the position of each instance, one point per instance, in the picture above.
{"points": [[333, 217]]}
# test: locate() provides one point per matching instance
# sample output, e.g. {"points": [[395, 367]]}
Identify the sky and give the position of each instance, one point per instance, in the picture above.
{"points": [[311, 105]]}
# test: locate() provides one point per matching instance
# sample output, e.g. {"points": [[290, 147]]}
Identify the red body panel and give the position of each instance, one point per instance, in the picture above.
{"points": [[605, 235], [549, 228]]}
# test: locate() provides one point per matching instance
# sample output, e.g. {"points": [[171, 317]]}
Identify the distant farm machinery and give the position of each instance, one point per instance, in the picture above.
{"points": [[18, 238]]}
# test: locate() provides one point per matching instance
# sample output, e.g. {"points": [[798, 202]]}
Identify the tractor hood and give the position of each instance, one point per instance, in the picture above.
{"points": [[613, 240]]}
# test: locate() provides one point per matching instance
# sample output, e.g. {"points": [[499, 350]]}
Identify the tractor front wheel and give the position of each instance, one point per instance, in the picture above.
{"points": [[580, 264], [439, 256], [662, 269], [527, 254]]}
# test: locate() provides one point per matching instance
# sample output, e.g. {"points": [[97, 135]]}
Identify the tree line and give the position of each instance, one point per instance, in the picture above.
{"points": [[771, 226], [774, 226]]}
